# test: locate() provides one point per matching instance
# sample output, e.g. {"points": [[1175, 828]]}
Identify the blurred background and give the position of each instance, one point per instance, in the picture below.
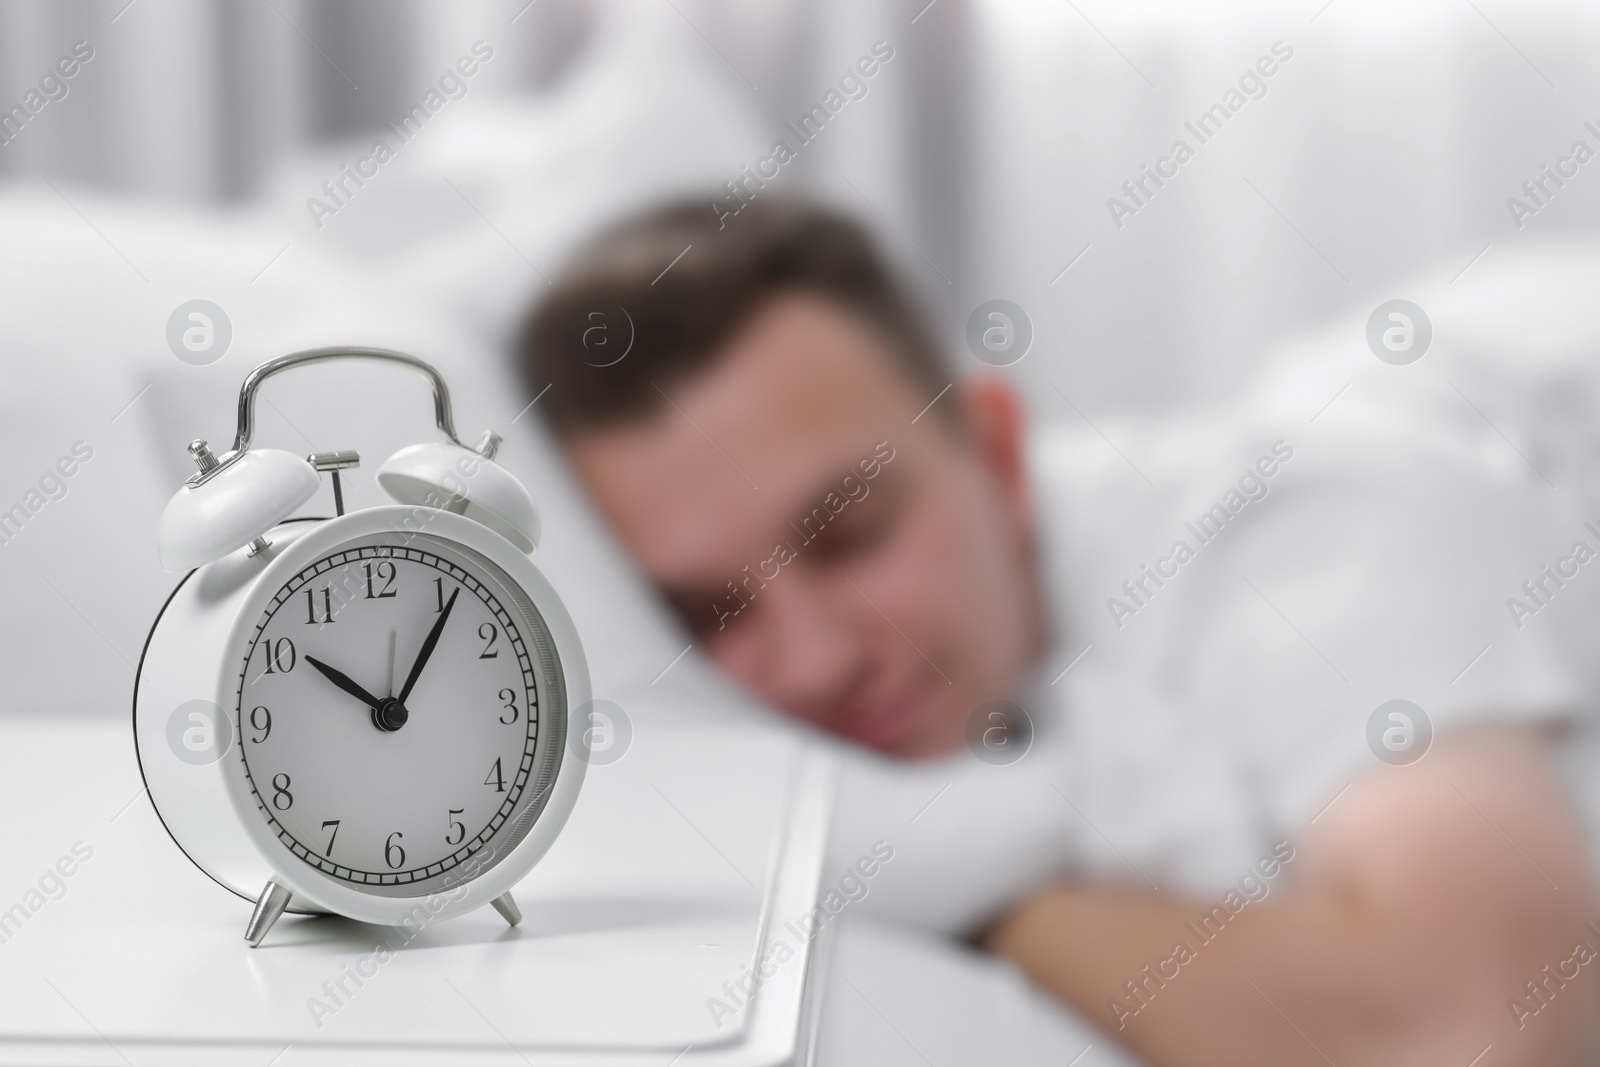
{"points": [[186, 156]]}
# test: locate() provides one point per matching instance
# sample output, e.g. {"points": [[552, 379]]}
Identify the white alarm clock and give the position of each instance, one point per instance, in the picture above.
{"points": [[365, 715]]}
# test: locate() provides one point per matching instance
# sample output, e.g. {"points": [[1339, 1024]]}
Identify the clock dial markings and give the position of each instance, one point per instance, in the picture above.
{"points": [[360, 808]]}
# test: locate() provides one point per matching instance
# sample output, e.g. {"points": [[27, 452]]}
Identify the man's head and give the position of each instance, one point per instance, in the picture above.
{"points": [[763, 425]]}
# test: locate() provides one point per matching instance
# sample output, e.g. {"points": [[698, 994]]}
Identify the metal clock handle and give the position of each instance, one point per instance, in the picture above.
{"points": [[247, 395]]}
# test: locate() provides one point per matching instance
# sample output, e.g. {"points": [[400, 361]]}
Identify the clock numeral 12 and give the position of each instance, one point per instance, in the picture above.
{"points": [[386, 574]]}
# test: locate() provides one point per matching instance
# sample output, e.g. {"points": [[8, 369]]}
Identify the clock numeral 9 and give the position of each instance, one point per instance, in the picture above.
{"points": [[385, 573], [510, 697], [280, 656], [256, 716], [327, 606], [282, 799], [393, 854], [489, 638], [496, 777], [458, 831]]}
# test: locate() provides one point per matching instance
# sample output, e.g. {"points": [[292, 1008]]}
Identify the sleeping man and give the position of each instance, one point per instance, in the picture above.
{"points": [[1313, 789]]}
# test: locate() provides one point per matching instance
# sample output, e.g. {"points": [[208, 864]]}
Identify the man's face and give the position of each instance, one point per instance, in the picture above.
{"points": [[856, 565]]}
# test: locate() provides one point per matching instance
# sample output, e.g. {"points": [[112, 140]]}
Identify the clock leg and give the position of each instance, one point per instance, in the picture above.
{"points": [[269, 907], [507, 908]]}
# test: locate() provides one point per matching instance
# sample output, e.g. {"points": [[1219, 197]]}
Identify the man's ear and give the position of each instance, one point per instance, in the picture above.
{"points": [[997, 425]]}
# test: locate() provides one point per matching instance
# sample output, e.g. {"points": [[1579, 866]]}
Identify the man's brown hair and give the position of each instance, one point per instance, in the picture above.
{"points": [[620, 289]]}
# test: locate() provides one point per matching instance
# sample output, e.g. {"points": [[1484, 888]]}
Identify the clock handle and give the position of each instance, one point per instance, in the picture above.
{"points": [[247, 396], [253, 491], [269, 909]]}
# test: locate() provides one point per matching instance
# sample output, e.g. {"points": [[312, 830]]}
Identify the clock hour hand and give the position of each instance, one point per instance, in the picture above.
{"points": [[427, 647], [344, 681]]}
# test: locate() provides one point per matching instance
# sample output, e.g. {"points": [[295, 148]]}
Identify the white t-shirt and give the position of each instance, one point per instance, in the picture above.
{"points": [[1221, 699]]}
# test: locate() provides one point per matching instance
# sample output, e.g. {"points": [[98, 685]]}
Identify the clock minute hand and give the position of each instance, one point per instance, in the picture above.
{"points": [[343, 681], [427, 647]]}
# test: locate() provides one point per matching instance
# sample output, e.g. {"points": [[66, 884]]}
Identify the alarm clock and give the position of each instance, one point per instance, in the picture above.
{"points": [[365, 715]]}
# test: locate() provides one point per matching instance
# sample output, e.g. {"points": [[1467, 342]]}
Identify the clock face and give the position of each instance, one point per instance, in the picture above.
{"points": [[399, 714]]}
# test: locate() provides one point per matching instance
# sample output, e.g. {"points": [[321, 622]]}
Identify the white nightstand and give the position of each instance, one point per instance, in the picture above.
{"points": [[685, 863]]}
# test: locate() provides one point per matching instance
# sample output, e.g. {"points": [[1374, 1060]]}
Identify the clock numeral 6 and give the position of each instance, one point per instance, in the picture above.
{"points": [[510, 697], [496, 777], [256, 716], [280, 656], [489, 638], [282, 799], [393, 854], [458, 831]]}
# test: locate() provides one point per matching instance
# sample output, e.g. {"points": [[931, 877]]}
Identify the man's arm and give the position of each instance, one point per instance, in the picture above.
{"points": [[1422, 901]]}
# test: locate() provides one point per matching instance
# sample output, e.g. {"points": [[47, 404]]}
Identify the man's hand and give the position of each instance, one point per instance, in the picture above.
{"points": [[1422, 904]]}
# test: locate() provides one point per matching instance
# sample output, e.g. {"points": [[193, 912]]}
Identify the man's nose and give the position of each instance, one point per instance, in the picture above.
{"points": [[819, 654]]}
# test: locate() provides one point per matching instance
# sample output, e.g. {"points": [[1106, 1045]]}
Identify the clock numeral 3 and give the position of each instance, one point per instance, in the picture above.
{"points": [[327, 606], [393, 854], [510, 697], [280, 656], [458, 831], [385, 573], [282, 799], [335, 824], [489, 651], [496, 777], [256, 715]]}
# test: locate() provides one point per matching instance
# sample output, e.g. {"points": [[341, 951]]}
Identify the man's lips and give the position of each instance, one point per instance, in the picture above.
{"points": [[880, 724]]}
